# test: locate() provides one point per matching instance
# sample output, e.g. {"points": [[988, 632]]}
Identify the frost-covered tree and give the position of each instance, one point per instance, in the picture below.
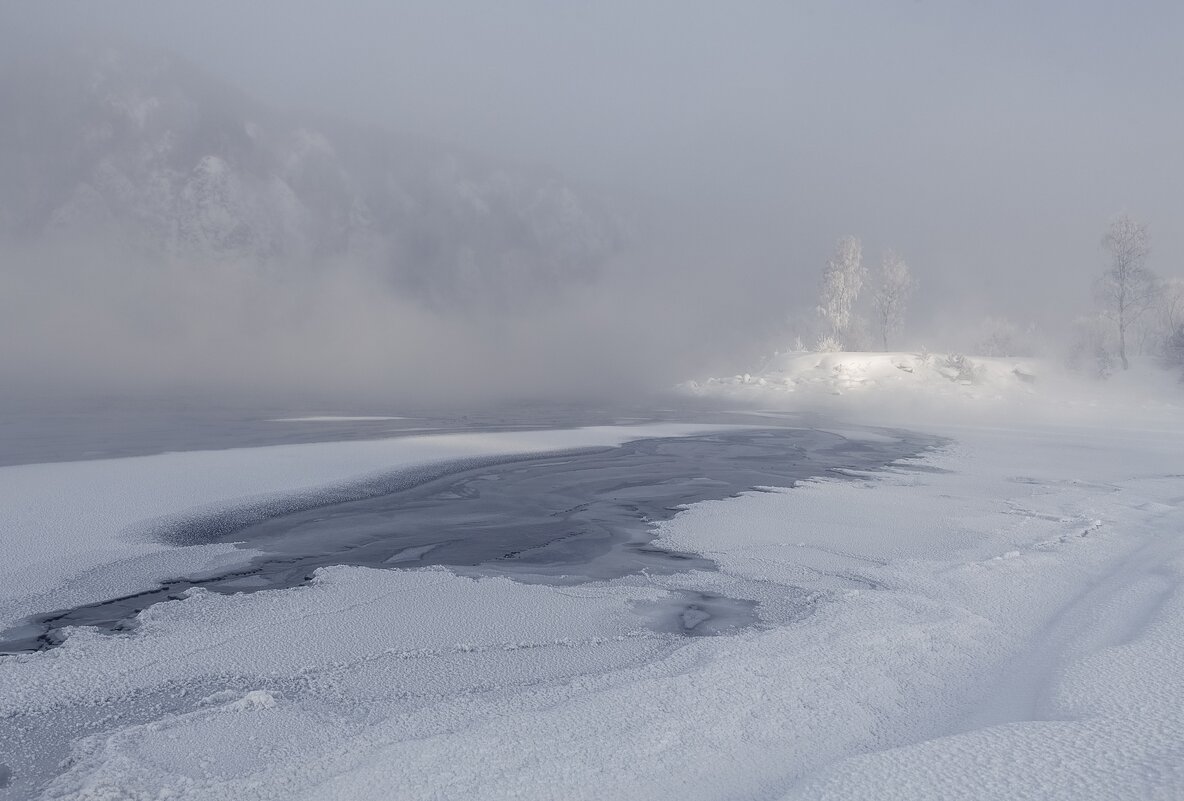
{"points": [[842, 281], [1127, 289], [894, 285], [1173, 348], [1093, 345], [999, 336], [1166, 315]]}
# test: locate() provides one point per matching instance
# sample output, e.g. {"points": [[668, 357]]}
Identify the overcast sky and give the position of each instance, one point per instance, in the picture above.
{"points": [[989, 142]]}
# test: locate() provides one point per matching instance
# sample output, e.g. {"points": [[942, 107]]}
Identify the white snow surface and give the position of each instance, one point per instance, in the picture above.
{"points": [[76, 532], [907, 386], [1000, 619]]}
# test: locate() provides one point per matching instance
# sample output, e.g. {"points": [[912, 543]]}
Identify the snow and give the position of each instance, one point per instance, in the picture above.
{"points": [[254, 700], [999, 619], [806, 376], [907, 387]]}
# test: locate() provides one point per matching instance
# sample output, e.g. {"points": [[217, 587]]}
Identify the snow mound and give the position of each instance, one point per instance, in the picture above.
{"points": [[254, 700], [843, 372], [230, 701], [904, 384]]}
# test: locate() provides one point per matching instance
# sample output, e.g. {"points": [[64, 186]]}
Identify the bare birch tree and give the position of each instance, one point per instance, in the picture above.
{"points": [[842, 281], [1127, 288], [1166, 315], [895, 284]]}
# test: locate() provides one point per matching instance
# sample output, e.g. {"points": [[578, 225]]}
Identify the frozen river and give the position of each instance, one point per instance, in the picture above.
{"points": [[558, 516], [346, 603], [561, 518]]}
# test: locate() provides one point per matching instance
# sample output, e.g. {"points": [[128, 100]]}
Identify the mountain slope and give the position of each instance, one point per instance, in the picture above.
{"points": [[145, 150]]}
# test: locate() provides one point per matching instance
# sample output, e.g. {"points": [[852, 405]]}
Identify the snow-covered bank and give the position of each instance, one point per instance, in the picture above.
{"points": [[74, 531], [997, 620], [1010, 623], [904, 386]]}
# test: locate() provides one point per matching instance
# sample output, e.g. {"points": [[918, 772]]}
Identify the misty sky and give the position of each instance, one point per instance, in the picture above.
{"points": [[989, 142]]}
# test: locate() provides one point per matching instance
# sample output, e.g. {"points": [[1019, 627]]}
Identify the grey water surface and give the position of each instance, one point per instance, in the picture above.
{"points": [[69, 428]]}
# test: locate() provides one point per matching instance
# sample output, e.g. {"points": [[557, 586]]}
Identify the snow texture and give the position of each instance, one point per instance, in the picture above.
{"points": [[996, 620], [904, 387]]}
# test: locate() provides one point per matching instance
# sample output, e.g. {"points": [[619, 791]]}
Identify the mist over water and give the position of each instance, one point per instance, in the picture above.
{"points": [[72, 321], [430, 202]]}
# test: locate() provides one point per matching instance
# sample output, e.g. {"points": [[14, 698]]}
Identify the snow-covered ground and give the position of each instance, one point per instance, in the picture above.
{"points": [[910, 386], [997, 619]]}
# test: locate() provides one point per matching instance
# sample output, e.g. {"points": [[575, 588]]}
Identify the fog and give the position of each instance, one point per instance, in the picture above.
{"points": [[118, 325], [990, 144]]}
